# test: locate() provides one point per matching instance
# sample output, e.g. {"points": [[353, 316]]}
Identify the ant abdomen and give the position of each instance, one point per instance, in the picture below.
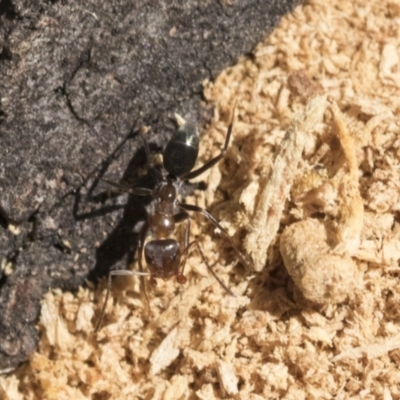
{"points": [[163, 257], [182, 150]]}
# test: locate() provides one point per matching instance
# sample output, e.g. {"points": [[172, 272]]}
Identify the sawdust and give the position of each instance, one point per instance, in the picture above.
{"points": [[311, 196]]}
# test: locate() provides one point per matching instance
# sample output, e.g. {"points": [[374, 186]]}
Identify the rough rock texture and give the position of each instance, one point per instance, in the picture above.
{"points": [[76, 80]]}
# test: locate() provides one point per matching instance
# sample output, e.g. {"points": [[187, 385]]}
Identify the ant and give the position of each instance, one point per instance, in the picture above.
{"points": [[164, 256]]}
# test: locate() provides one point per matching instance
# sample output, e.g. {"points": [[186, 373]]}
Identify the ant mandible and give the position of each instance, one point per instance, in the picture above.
{"points": [[164, 256]]}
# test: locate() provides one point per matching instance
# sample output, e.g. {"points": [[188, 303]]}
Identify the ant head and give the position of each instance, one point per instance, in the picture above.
{"points": [[182, 150]]}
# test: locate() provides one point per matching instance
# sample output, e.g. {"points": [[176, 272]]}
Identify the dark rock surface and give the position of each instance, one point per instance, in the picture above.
{"points": [[76, 80]]}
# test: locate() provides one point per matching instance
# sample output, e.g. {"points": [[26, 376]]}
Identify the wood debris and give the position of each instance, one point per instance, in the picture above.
{"points": [[276, 186], [321, 275], [166, 352], [227, 378]]}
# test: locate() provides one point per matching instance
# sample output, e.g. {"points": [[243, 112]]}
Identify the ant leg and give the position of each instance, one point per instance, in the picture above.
{"points": [[184, 216], [180, 217], [209, 164], [141, 273], [185, 255], [120, 272], [191, 207], [142, 239], [150, 163], [124, 189], [142, 132]]}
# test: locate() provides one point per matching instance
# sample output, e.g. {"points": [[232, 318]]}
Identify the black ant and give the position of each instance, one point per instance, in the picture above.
{"points": [[164, 256]]}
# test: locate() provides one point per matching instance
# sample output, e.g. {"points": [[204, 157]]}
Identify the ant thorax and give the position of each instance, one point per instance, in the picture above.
{"points": [[162, 222]]}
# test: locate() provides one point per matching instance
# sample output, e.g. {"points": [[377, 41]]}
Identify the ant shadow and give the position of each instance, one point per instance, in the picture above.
{"points": [[121, 241]]}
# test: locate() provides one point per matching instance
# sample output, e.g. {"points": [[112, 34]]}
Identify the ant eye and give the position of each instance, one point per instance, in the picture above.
{"points": [[182, 150]]}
